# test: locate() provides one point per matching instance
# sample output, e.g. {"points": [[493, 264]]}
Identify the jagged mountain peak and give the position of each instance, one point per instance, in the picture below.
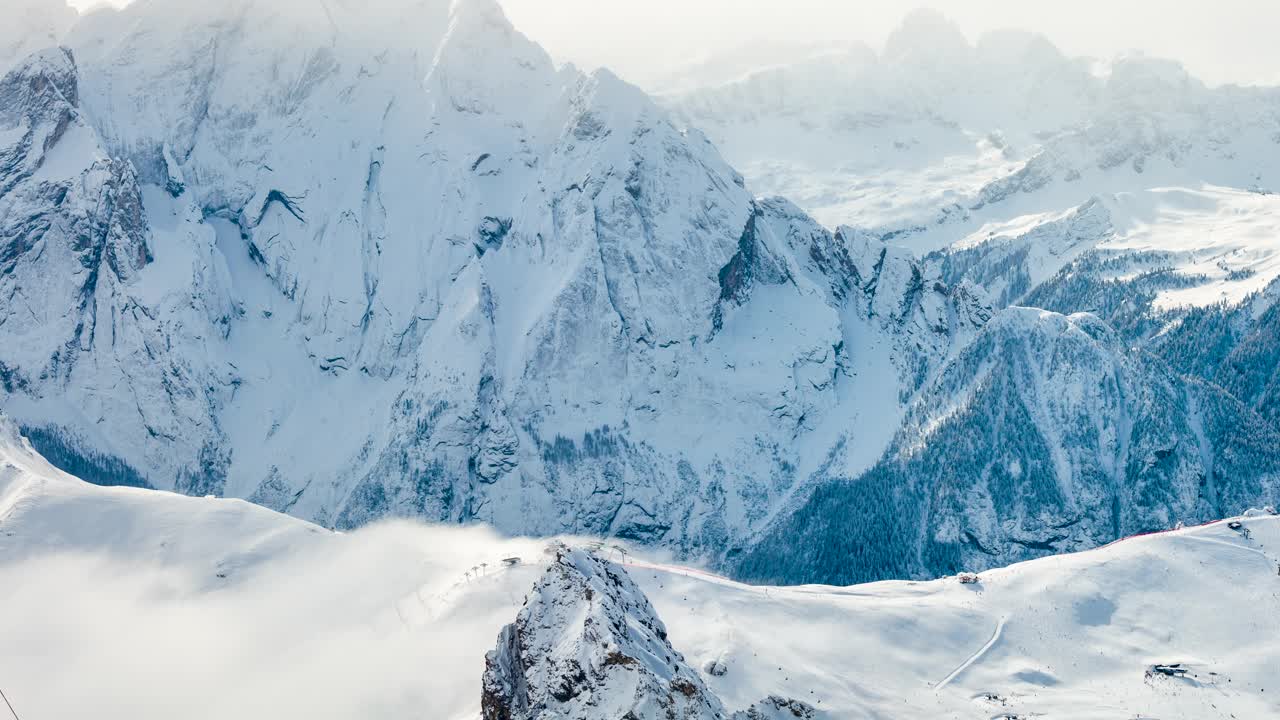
{"points": [[487, 12], [45, 82], [587, 644], [484, 63]]}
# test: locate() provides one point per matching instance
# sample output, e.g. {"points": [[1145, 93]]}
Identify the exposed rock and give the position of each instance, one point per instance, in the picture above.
{"points": [[488, 292], [77, 325], [588, 646], [776, 707]]}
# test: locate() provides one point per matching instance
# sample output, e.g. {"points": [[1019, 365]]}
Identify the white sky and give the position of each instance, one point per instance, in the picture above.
{"points": [[644, 40]]}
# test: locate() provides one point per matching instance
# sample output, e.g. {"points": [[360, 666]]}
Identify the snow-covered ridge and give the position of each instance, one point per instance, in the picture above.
{"points": [[1135, 194], [396, 620], [396, 263], [1210, 245]]}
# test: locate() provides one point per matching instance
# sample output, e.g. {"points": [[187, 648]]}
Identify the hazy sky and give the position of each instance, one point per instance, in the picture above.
{"points": [[1220, 40], [643, 40]]}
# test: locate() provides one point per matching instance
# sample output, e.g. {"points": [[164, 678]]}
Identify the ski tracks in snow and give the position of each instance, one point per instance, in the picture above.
{"points": [[995, 638], [1224, 543]]}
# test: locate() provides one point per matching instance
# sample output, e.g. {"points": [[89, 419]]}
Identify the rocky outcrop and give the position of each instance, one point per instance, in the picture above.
{"points": [[588, 646], [1010, 267]]}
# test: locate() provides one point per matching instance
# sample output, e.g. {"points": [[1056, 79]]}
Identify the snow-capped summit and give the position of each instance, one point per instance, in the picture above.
{"points": [[587, 644]]}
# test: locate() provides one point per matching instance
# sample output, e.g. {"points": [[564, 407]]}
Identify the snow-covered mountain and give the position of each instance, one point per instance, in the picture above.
{"points": [[97, 326], [1013, 163], [1129, 191], [357, 264], [128, 603], [1047, 434], [352, 264]]}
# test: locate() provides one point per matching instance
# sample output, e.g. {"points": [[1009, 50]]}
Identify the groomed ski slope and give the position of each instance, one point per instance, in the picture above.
{"points": [[121, 603]]}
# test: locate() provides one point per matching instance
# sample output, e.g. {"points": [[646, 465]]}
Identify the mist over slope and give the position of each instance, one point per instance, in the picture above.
{"points": [[129, 603]]}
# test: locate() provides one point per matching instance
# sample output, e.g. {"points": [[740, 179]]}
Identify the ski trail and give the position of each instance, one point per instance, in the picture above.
{"points": [[1226, 544], [691, 573], [995, 637]]}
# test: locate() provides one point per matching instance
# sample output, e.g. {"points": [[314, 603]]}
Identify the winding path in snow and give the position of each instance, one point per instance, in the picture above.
{"points": [[995, 637]]}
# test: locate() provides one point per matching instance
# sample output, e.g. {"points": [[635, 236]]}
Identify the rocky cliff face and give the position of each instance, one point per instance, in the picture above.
{"points": [[90, 321]]}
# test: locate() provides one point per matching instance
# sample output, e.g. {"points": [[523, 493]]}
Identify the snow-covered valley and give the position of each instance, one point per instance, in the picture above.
{"points": [[133, 603]]}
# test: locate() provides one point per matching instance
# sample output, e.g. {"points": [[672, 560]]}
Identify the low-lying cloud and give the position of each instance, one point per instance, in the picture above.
{"points": [[364, 625]]}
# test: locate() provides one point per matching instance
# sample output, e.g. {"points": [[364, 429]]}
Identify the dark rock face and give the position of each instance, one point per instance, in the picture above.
{"points": [[54, 202], [588, 646], [775, 707]]}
